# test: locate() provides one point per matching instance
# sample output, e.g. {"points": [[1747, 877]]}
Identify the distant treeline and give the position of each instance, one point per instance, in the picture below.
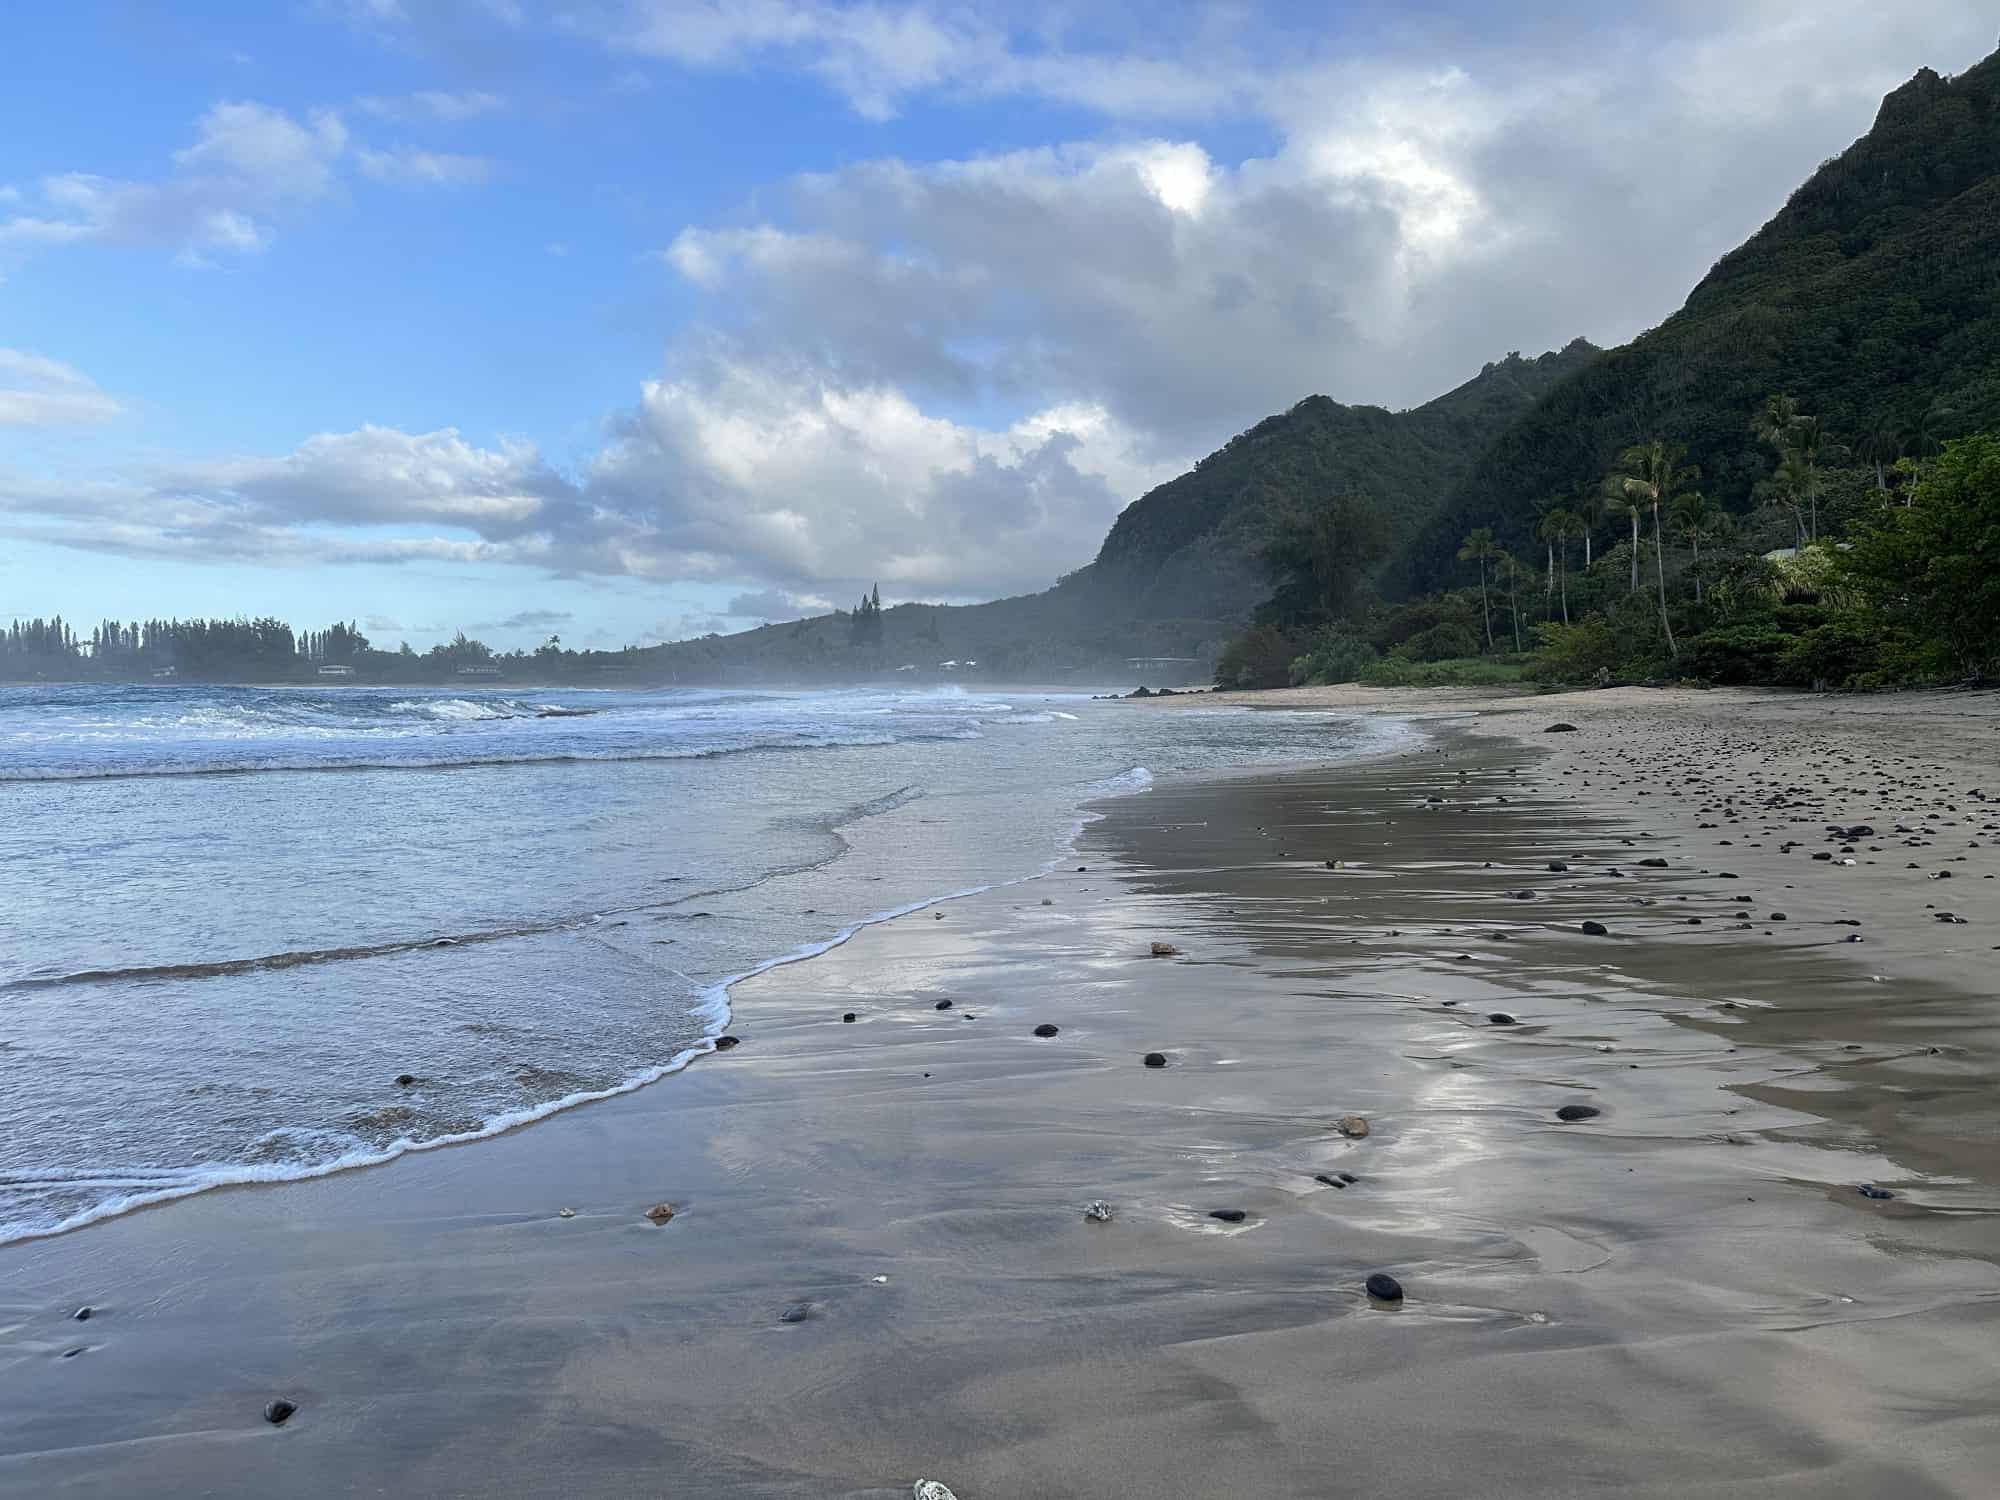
{"points": [[270, 650]]}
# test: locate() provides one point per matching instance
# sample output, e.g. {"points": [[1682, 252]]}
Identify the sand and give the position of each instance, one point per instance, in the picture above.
{"points": [[1684, 1296]]}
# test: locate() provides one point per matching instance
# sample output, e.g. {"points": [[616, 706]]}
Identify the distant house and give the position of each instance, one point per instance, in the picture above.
{"points": [[165, 674], [478, 671], [336, 671]]}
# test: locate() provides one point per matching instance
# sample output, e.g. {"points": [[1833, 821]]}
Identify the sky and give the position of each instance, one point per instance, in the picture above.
{"points": [[631, 320]]}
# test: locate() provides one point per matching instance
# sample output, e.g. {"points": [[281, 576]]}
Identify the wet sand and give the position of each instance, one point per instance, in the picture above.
{"points": [[1686, 1295]]}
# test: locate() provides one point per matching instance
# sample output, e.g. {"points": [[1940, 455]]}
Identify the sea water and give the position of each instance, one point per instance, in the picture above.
{"points": [[232, 918]]}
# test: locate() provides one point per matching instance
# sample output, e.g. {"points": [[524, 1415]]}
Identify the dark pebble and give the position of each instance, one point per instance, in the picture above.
{"points": [[1870, 1191], [1228, 1215], [798, 1312], [1156, 1059], [404, 1080], [1654, 864], [849, 1016], [1573, 1112], [1596, 929], [1329, 1179], [1778, 916], [724, 1043], [942, 1005], [1501, 1018], [279, 1412], [1385, 1288], [1045, 1029], [1557, 867], [1560, 728], [82, 1314]]}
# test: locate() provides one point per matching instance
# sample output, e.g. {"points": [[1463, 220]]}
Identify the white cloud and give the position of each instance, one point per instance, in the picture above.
{"points": [[250, 165], [433, 104], [39, 392], [407, 166]]}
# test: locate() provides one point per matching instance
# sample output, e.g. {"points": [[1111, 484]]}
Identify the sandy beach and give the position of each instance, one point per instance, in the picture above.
{"points": [[879, 1267]]}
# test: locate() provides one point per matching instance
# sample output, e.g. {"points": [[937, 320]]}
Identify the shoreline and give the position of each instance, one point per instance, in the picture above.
{"points": [[445, 1331]]}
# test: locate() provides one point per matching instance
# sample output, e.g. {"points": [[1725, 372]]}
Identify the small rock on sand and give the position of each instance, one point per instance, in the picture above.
{"points": [[279, 1412], [798, 1312], [1384, 1288], [659, 1213], [404, 1080], [847, 1016], [1352, 1126], [1596, 929], [82, 1314], [1045, 1029], [724, 1043], [1228, 1215], [930, 1489], [1573, 1112], [942, 1005], [1155, 1059], [1501, 1018], [1868, 1190], [1165, 950], [1098, 1211], [1560, 728]]}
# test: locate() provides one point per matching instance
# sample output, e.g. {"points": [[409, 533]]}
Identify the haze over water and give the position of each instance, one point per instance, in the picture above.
{"points": [[231, 918]]}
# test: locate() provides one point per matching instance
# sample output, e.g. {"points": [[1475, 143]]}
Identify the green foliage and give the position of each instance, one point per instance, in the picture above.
{"points": [[1584, 651], [1319, 556], [1259, 658], [1931, 566], [1335, 655], [1441, 642], [1467, 671], [1189, 547], [1736, 655], [1869, 298]]}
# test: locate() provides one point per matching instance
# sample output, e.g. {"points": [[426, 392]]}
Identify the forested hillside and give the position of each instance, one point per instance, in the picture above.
{"points": [[1870, 299], [1190, 547]]}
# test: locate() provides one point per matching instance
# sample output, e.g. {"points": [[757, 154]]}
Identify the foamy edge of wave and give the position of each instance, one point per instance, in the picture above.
{"points": [[713, 1008]]}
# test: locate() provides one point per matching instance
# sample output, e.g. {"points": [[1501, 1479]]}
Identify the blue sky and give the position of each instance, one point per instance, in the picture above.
{"points": [[631, 319]]}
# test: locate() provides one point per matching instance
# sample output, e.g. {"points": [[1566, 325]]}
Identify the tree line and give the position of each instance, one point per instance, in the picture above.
{"points": [[1858, 565]]}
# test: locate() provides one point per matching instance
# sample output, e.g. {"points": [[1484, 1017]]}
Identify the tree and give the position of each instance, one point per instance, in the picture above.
{"points": [[1558, 526], [1588, 508], [1650, 475], [1695, 517], [1880, 446], [1932, 566], [1320, 559], [1510, 569], [1480, 547]]}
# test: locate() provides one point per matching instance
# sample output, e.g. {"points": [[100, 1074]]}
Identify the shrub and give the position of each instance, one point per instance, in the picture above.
{"points": [[1261, 657], [1470, 671], [1574, 653], [1335, 656], [1737, 654]]}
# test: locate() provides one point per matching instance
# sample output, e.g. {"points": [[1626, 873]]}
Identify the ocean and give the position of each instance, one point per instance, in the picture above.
{"points": [[231, 919]]}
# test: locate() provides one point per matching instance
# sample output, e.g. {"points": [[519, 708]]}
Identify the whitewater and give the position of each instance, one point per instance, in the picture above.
{"points": [[222, 963]]}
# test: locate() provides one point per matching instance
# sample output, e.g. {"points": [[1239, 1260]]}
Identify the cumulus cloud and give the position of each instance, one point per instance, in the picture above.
{"points": [[40, 392], [409, 166]]}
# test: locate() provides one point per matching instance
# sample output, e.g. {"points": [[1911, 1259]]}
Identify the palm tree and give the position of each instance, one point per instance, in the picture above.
{"points": [[1589, 510], [1619, 503], [1788, 490], [1776, 420], [1511, 570], [1815, 450], [1478, 547], [1651, 475], [1696, 516], [1880, 446], [1558, 526]]}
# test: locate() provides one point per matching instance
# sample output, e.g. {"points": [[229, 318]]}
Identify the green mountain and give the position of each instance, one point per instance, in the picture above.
{"points": [[1870, 298], [1189, 548]]}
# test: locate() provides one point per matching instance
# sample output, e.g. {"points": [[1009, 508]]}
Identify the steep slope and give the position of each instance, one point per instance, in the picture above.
{"points": [[1870, 297], [1189, 548]]}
